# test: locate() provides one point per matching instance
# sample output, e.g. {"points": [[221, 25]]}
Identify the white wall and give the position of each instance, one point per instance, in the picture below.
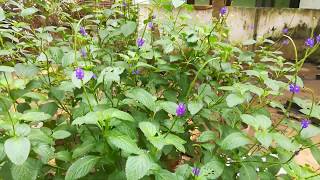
{"points": [[310, 4]]}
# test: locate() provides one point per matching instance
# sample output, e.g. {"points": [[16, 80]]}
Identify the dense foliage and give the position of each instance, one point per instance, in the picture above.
{"points": [[84, 94]]}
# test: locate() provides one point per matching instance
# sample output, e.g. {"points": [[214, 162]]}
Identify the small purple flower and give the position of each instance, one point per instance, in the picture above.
{"points": [[140, 42], [285, 31], [83, 31], [195, 171], [305, 123], [294, 88], [285, 42], [94, 76], [135, 72], [79, 73], [223, 11], [181, 109], [83, 52], [318, 38], [309, 42], [150, 25]]}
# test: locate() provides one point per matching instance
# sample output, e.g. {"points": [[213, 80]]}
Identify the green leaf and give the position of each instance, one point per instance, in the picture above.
{"points": [[83, 148], [309, 132], [2, 153], [143, 97], [176, 141], [2, 15], [81, 167], [38, 136], [27, 171], [63, 156], [264, 138], [259, 121], [26, 70], [17, 149], [28, 11], [178, 3], [61, 134], [89, 118], [138, 166], [234, 99], [234, 140], [128, 28], [69, 58], [77, 82], [22, 129], [285, 142], [163, 174], [169, 107], [207, 136], [212, 169], [248, 173], [110, 74], [315, 153], [148, 129], [45, 151], [194, 107], [263, 121], [125, 143], [115, 113], [6, 68], [35, 116]]}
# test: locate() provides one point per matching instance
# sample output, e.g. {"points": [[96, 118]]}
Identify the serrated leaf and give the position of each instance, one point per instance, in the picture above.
{"points": [[148, 129], [81, 167], [234, 140], [194, 107], [138, 166], [61, 134], [35, 116], [27, 171], [17, 149], [125, 143], [175, 141], [143, 97]]}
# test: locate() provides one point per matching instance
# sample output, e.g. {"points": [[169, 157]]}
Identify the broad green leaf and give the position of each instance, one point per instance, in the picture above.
{"points": [[315, 153], [143, 97], [292, 80], [17, 149], [264, 138], [110, 74], [207, 136], [7, 69], [115, 113], [46, 152], [69, 58], [63, 156], [310, 131], [285, 142], [249, 42], [2, 15], [81, 167], [77, 82], [163, 174], [250, 120], [35, 116], [148, 129], [248, 173], [28, 11], [169, 107], [26, 70], [212, 169], [128, 28], [234, 140], [138, 166], [22, 129], [83, 148], [90, 118], [178, 3], [176, 141], [61, 134], [29, 170], [38, 136], [125, 143], [234, 99], [263, 121], [194, 107]]}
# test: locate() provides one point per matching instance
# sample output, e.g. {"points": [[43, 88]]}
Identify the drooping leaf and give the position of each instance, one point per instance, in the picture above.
{"points": [[17, 149], [81, 167]]}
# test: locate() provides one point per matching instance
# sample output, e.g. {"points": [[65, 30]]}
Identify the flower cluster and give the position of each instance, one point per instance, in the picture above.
{"points": [[79, 73], [305, 123], [181, 109], [83, 31], [140, 42], [195, 171], [294, 88], [310, 42]]}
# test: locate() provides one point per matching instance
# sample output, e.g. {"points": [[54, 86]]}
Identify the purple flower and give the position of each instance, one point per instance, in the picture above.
{"points": [[309, 42], [285, 31], [150, 25], [135, 72], [223, 11], [181, 109], [196, 171], [294, 88], [305, 123], [318, 38], [94, 76], [140, 42], [83, 31], [79, 73], [83, 52], [285, 42]]}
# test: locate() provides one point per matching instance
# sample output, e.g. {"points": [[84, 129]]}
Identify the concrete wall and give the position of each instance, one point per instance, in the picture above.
{"points": [[310, 4]]}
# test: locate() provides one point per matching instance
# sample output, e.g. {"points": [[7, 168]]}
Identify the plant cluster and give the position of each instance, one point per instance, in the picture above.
{"points": [[84, 94]]}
